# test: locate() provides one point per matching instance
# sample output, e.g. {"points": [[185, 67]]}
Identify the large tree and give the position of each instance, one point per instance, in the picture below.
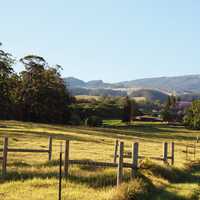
{"points": [[127, 110], [192, 117], [170, 112], [6, 71], [43, 92]]}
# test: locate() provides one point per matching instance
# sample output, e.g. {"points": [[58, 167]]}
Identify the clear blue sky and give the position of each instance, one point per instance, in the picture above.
{"points": [[112, 40]]}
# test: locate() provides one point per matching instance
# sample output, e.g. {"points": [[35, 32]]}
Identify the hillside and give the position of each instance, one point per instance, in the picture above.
{"points": [[179, 84], [187, 84], [190, 97], [77, 83], [151, 95], [187, 87], [72, 82], [97, 92]]}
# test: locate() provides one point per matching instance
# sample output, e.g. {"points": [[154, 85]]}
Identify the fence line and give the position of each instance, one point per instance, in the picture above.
{"points": [[172, 153], [165, 152], [193, 147], [135, 159], [6, 150], [5, 155], [116, 150], [27, 150], [66, 158], [118, 162], [133, 154]]}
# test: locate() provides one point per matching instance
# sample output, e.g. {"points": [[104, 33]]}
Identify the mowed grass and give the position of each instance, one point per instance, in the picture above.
{"points": [[30, 176]]}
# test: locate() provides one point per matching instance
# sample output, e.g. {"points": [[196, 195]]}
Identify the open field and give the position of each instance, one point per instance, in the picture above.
{"points": [[30, 176], [90, 97], [87, 97]]}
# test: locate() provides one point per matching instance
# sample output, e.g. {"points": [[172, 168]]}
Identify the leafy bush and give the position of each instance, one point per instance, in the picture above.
{"points": [[167, 115], [93, 121], [130, 110], [75, 119], [192, 117]]}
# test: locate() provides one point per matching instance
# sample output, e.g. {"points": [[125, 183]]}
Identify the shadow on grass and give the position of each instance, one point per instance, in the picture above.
{"points": [[142, 188], [90, 168], [95, 181], [91, 176], [149, 131], [155, 193], [59, 136], [98, 178], [173, 174]]}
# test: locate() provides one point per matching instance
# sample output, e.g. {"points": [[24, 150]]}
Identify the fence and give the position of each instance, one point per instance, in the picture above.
{"points": [[118, 161], [165, 157], [119, 165], [191, 149], [6, 150]]}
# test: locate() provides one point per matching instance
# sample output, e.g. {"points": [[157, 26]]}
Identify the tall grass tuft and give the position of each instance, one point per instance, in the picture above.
{"points": [[134, 190]]}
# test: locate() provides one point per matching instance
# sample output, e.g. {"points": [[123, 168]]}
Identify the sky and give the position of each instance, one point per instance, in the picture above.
{"points": [[111, 40]]}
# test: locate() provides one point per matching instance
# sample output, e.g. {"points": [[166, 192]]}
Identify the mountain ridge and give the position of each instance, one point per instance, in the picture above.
{"points": [[187, 87], [180, 84]]}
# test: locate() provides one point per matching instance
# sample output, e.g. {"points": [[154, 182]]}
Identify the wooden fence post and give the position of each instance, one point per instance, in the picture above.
{"points": [[116, 150], [60, 174], [194, 151], [134, 159], [66, 158], [5, 155], [120, 164], [50, 148], [165, 151], [186, 152], [172, 153]]}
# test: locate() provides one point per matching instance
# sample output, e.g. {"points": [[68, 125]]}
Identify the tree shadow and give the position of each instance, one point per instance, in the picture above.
{"points": [[158, 193], [150, 131], [173, 174], [59, 136], [99, 179]]}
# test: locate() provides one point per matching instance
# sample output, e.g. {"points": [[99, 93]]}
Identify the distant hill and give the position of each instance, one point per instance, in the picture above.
{"points": [[77, 83], [190, 97], [179, 84], [186, 86], [72, 82], [97, 92], [151, 95]]}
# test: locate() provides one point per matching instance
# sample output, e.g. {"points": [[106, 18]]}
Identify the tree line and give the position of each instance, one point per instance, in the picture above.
{"points": [[37, 93]]}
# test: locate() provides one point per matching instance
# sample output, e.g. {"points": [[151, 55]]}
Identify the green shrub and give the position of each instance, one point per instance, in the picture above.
{"points": [[75, 119], [93, 121], [192, 117]]}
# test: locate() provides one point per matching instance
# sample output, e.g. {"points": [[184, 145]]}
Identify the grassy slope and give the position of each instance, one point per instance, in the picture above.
{"points": [[31, 177]]}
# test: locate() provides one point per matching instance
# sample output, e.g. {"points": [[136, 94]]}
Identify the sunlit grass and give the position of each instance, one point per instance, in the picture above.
{"points": [[30, 176]]}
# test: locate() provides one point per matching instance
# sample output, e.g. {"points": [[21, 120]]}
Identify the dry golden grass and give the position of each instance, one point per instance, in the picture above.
{"points": [[30, 176], [87, 97]]}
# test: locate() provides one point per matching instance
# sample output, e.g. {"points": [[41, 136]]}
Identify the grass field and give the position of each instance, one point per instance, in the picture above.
{"points": [[89, 97], [30, 176]]}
